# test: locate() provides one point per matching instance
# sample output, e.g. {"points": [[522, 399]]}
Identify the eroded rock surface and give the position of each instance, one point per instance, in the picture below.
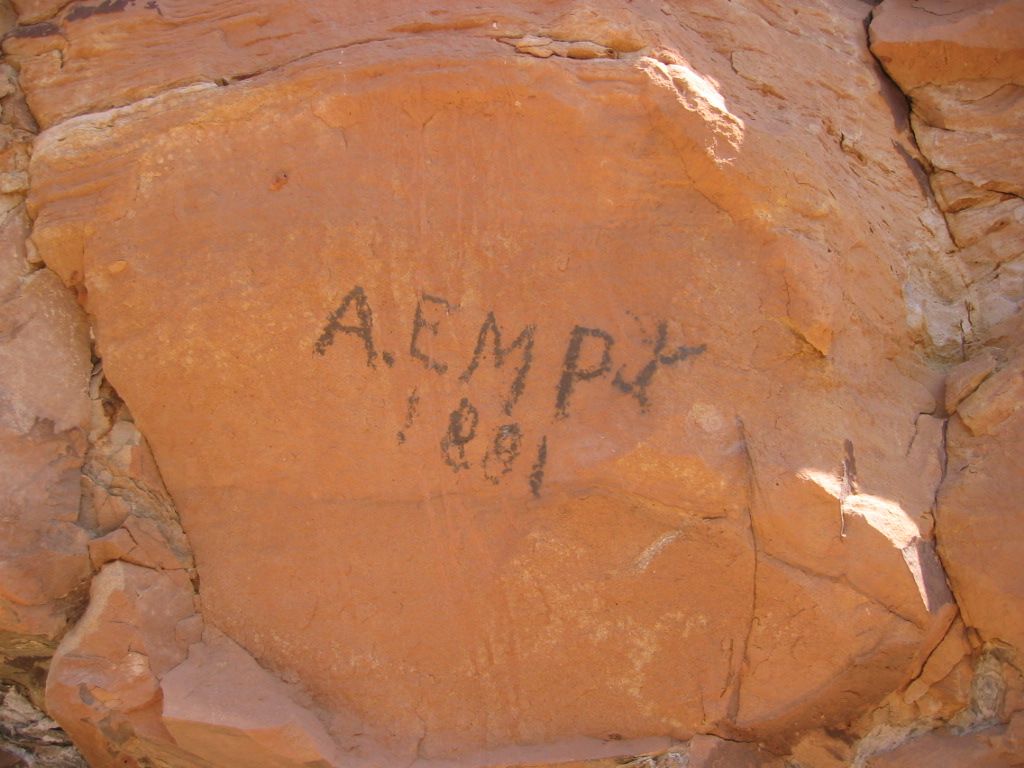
{"points": [[44, 416], [29, 737], [965, 80], [539, 382]]}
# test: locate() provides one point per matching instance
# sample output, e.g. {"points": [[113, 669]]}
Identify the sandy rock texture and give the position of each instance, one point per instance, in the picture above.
{"points": [[962, 66], [514, 383], [44, 369]]}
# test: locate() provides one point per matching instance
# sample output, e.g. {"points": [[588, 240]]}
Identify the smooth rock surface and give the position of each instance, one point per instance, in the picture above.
{"points": [[221, 706]]}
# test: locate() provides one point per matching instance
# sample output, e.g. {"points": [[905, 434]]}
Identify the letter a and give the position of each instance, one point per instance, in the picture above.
{"points": [[364, 330]]}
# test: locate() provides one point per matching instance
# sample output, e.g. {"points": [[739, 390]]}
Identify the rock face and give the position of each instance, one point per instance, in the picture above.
{"points": [[963, 70], [544, 382], [44, 416]]}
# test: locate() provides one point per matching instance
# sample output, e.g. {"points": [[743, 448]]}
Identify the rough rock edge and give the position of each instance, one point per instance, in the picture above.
{"points": [[895, 723], [134, 530], [510, 30], [28, 737]]}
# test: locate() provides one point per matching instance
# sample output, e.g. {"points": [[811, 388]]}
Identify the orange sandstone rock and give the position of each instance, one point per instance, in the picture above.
{"points": [[963, 69], [104, 679], [44, 365], [539, 383], [222, 707], [476, 424], [978, 750]]}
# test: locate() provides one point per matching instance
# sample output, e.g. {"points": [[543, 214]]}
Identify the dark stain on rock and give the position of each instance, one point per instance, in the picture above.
{"points": [[80, 12], [537, 475], [43, 29]]}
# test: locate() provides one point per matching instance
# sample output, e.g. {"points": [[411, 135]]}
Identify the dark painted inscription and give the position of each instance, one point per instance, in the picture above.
{"points": [[571, 371], [503, 452], [537, 475], [412, 408], [364, 330], [638, 386], [462, 425], [523, 341], [418, 324], [588, 357]]}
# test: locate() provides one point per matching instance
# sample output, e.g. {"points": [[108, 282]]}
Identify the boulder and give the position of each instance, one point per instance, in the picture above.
{"points": [[44, 414], [509, 396]]}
